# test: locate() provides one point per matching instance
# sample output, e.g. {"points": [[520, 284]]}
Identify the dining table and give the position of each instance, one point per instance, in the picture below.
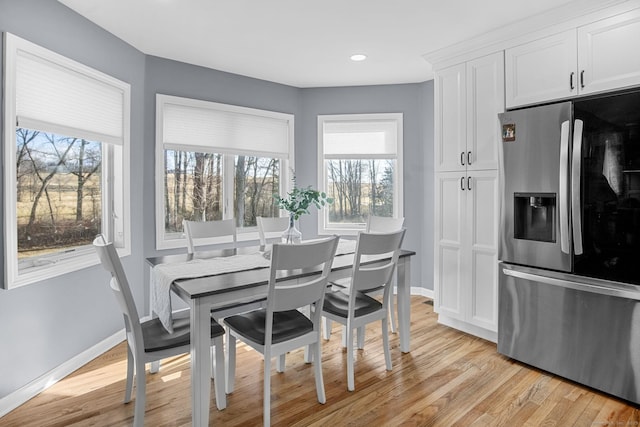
{"points": [[232, 281]]}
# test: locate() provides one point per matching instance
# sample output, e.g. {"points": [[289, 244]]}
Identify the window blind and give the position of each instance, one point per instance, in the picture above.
{"points": [[211, 127], [67, 100], [360, 139]]}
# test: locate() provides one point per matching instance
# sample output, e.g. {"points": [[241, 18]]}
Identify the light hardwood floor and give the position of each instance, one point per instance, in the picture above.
{"points": [[448, 379]]}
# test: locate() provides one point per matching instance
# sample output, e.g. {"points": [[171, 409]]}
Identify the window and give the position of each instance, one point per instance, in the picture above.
{"points": [[66, 163], [360, 167], [216, 161]]}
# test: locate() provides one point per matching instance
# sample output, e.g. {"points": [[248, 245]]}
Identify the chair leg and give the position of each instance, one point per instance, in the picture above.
{"points": [[141, 386], [130, 373], [219, 369], [282, 360], [360, 336], [231, 362], [155, 367], [385, 343], [350, 375], [266, 414], [318, 372], [326, 331], [392, 313]]}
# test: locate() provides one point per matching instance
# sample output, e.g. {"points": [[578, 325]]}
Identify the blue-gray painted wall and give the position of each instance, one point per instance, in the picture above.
{"points": [[44, 325]]}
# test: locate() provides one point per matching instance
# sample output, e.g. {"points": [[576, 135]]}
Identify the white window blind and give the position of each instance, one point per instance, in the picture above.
{"points": [[370, 139], [212, 127], [68, 98]]}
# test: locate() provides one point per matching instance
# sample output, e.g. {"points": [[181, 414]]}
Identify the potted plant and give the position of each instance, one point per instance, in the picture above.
{"points": [[297, 202]]}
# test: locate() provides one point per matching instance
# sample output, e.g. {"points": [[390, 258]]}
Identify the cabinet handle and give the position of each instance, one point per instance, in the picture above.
{"points": [[571, 80], [462, 183], [582, 79], [468, 157], [462, 158], [469, 183]]}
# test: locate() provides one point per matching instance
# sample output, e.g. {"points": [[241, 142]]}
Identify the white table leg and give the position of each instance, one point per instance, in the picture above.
{"points": [[404, 302], [200, 363]]}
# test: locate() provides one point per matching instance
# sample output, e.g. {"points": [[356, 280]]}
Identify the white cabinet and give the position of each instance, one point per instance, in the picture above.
{"points": [[597, 57], [466, 234], [469, 97]]}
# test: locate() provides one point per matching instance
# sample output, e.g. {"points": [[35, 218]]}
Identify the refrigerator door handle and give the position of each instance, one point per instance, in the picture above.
{"points": [[582, 285], [564, 188], [576, 214]]}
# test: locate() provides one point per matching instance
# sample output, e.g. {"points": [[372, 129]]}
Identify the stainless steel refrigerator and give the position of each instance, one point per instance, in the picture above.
{"points": [[569, 283]]}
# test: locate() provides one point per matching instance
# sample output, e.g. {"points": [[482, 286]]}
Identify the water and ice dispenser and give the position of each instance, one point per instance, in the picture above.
{"points": [[535, 216]]}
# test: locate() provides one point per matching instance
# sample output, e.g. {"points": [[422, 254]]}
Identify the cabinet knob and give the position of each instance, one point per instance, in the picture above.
{"points": [[582, 79], [469, 183], [462, 183], [462, 158], [468, 157]]}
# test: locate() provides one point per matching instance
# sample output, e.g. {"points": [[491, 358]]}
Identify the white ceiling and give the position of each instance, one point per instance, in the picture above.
{"points": [[302, 43]]}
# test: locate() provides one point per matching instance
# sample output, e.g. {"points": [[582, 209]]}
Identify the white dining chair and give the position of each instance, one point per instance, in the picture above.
{"points": [[281, 327], [270, 229], [197, 231], [149, 341], [375, 224], [357, 309]]}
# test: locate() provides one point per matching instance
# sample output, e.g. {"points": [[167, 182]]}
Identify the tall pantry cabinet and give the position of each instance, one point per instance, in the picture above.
{"points": [[468, 98]]}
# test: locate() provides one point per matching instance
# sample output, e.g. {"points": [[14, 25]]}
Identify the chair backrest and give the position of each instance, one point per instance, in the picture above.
{"points": [[383, 224], [196, 230], [306, 291], [120, 286], [370, 246], [270, 228]]}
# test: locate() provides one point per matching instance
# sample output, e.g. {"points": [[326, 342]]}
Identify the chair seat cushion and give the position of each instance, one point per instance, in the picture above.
{"points": [[157, 338], [337, 302], [286, 325]]}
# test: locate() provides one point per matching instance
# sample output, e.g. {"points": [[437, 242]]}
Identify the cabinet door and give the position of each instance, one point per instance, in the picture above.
{"points": [[449, 240], [485, 99], [482, 246], [541, 70], [450, 95], [609, 53]]}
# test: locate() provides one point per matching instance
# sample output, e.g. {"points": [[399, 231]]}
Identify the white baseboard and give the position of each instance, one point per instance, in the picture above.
{"points": [[22, 395], [428, 293], [468, 328]]}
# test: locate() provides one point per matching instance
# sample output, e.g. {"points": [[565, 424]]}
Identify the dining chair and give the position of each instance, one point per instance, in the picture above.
{"points": [[195, 231], [356, 309], [383, 224], [375, 224], [149, 341], [270, 229], [281, 327]]}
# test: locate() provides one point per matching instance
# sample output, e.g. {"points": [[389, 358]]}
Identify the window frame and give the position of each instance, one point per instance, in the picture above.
{"points": [[115, 173], [324, 228], [228, 166]]}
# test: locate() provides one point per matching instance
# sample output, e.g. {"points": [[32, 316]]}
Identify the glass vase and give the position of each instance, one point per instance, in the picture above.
{"points": [[292, 235]]}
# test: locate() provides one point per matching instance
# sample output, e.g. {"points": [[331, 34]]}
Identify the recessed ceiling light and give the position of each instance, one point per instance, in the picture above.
{"points": [[358, 57]]}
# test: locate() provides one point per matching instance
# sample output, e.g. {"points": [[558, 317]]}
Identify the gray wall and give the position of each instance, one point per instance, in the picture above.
{"points": [[46, 324]]}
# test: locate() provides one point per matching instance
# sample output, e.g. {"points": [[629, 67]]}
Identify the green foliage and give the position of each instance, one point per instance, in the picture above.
{"points": [[298, 200]]}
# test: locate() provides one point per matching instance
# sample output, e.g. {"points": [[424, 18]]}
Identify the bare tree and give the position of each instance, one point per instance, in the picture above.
{"points": [[83, 171], [44, 181]]}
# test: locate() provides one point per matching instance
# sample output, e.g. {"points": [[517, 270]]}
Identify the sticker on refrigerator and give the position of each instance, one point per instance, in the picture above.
{"points": [[509, 132]]}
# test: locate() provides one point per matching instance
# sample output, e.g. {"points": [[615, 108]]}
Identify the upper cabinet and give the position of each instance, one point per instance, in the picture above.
{"points": [[597, 57], [469, 97]]}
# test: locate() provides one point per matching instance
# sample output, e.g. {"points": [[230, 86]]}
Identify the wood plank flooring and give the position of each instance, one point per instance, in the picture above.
{"points": [[448, 379]]}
